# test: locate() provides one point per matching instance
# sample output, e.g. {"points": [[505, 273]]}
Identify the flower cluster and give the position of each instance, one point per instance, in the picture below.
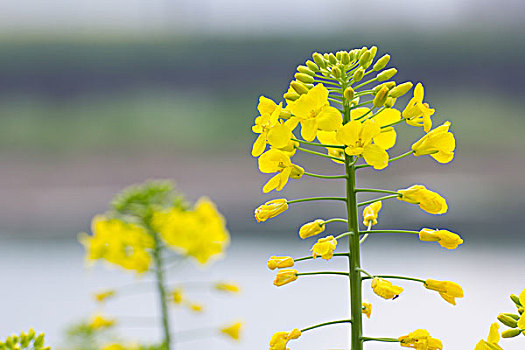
{"points": [[333, 107], [24, 341]]}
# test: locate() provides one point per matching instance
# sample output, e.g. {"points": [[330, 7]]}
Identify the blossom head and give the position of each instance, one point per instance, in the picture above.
{"points": [[285, 276], [324, 248], [446, 239], [420, 339], [448, 290], [429, 201], [370, 213], [385, 289], [279, 262], [233, 330], [438, 143], [280, 339], [227, 287], [276, 161], [311, 228], [367, 308], [418, 113], [271, 209]]}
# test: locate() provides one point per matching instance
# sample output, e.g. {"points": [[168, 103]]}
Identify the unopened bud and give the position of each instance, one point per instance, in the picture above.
{"points": [[39, 341], [400, 90], [515, 299], [362, 51], [304, 78], [297, 172], [314, 67], [305, 70], [285, 114], [349, 94], [507, 321], [365, 58], [389, 84], [510, 333], [390, 102], [299, 87], [291, 96], [386, 74], [352, 54], [359, 74], [336, 72], [381, 97], [31, 333], [373, 52], [381, 63], [338, 55], [520, 310], [514, 316], [345, 58], [319, 60], [331, 58]]}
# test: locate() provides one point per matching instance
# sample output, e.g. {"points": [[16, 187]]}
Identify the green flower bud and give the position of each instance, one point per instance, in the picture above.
{"points": [[400, 90], [286, 114], [373, 52], [520, 310], [381, 97], [390, 102], [331, 58], [8, 343], [336, 72], [345, 58], [292, 96], [386, 74], [510, 333], [314, 67], [352, 54], [299, 87], [338, 55], [319, 60], [507, 321], [349, 93], [297, 172], [305, 70], [389, 84], [362, 51], [358, 74], [514, 316], [381, 63], [39, 341], [304, 78], [365, 58], [31, 333], [515, 299]]}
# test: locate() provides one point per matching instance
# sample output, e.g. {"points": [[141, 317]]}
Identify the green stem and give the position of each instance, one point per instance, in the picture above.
{"points": [[392, 124], [375, 190], [336, 220], [364, 115], [316, 199], [344, 234], [311, 257], [373, 116], [325, 176], [321, 273], [390, 160], [161, 290], [388, 340], [324, 324], [365, 83], [389, 231], [325, 82], [334, 100], [397, 278], [306, 150], [361, 104], [378, 199], [318, 144]]}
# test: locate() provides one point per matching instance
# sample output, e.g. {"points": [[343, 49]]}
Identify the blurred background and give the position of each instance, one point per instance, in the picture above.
{"points": [[97, 95]]}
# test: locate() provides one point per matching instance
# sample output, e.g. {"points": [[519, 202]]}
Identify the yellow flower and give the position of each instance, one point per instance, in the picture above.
{"points": [[385, 289], [227, 287], [370, 214], [324, 247], [279, 262], [276, 161], [386, 139], [420, 339], [311, 228], [104, 295], [521, 321], [446, 239], [100, 322], [233, 331], [367, 308], [267, 125], [113, 346], [196, 307], [418, 113], [429, 201], [358, 139], [177, 295], [271, 209], [285, 276], [439, 143], [492, 340], [280, 339], [329, 138], [448, 290], [314, 113]]}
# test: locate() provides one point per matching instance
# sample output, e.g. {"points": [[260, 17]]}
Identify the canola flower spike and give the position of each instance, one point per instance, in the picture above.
{"points": [[233, 331], [439, 143], [418, 113], [446, 239], [227, 287], [370, 214], [284, 277], [385, 289], [270, 129], [367, 308], [449, 291], [492, 342], [24, 341], [271, 209], [311, 229], [280, 339], [429, 201], [280, 262], [324, 248], [420, 339], [276, 161]]}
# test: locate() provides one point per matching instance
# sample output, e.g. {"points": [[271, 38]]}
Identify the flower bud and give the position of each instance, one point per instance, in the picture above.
{"points": [[349, 93], [304, 78], [365, 58], [338, 55], [514, 316], [314, 67], [285, 276], [299, 87], [390, 102], [291, 95], [520, 310], [386, 74], [381, 97], [507, 321], [358, 74], [285, 114], [389, 84], [39, 341], [373, 52], [381, 63], [362, 51], [279, 262], [305, 70], [331, 58], [297, 172], [31, 333], [400, 90], [345, 58], [311, 228], [319, 60], [510, 333], [515, 299], [336, 72]]}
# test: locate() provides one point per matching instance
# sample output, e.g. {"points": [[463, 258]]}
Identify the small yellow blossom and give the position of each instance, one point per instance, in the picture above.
{"points": [[418, 113], [196, 307], [227, 287], [233, 330], [367, 308], [492, 340], [104, 295], [446, 239], [100, 322], [177, 296], [270, 129], [429, 201], [385, 289], [280, 339], [370, 214], [311, 228], [314, 113], [285, 276], [271, 209], [386, 139], [276, 161], [420, 339], [324, 247], [279, 262], [439, 143], [448, 290]]}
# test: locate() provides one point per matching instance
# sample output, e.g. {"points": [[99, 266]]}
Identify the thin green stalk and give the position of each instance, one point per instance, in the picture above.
{"points": [[161, 290], [318, 144], [322, 273], [388, 340], [389, 231], [334, 100], [364, 115], [378, 199], [344, 234], [375, 115], [390, 160], [365, 83], [336, 220], [396, 278], [306, 150], [375, 190], [392, 124], [324, 324], [325, 82], [361, 104], [316, 199], [325, 176], [311, 257]]}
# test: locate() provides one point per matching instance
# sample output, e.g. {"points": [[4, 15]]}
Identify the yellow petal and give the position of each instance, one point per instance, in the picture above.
{"points": [[279, 136], [266, 106], [358, 112], [375, 156], [522, 297], [349, 133], [369, 130], [493, 334], [272, 183], [419, 92], [309, 129], [259, 145], [330, 119], [387, 116], [386, 139]]}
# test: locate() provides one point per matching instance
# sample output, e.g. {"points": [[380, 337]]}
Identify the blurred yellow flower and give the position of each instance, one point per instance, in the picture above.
{"points": [[280, 339], [429, 201], [370, 214], [285, 276], [439, 143], [177, 295], [448, 290], [276, 161], [233, 330], [314, 113], [420, 339], [227, 287], [196, 307], [324, 248], [271, 209], [279, 262], [418, 113], [385, 289], [492, 340], [104, 295], [446, 239], [367, 308], [99, 322], [311, 228], [267, 125]]}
